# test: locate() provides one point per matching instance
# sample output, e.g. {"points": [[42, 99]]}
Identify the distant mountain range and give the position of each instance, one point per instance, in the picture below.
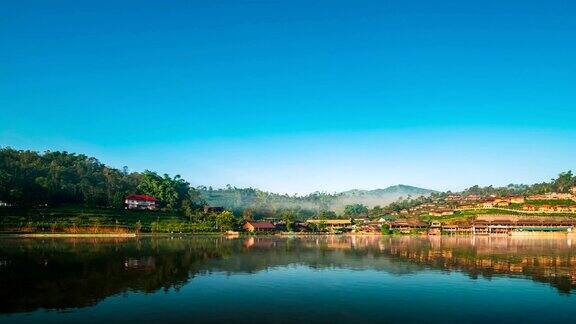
{"points": [[382, 197], [240, 198]]}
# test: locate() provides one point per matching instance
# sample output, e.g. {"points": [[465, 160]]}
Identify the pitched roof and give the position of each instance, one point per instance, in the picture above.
{"points": [[261, 225], [141, 198], [330, 221]]}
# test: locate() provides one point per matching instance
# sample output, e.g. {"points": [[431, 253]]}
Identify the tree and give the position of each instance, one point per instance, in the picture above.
{"points": [[225, 221], [248, 214], [170, 191], [564, 182], [385, 229], [355, 210], [326, 214], [288, 217]]}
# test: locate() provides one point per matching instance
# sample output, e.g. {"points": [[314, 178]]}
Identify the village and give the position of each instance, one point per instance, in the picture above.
{"points": [[453, 214], [449, 214]]}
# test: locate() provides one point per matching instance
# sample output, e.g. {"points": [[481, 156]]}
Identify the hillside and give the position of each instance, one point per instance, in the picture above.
{"points": [[237, 198], [380, 197]]}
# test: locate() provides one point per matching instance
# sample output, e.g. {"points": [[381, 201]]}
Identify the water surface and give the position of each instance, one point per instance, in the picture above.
{"points": [[274, 279]]}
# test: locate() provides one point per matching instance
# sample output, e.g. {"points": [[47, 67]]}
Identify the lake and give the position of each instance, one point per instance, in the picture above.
{"points": [[288, 279]]}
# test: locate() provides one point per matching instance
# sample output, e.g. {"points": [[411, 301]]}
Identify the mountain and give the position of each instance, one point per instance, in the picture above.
{"points": [[240, 198], [381, 197]]}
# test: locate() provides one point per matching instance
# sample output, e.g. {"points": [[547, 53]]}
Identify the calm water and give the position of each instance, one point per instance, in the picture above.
{"points": [[311, 279]]}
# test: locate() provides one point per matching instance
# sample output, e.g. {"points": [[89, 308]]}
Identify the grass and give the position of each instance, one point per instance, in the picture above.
{"points": [[560, 202], [81, 219], [468, 215]]}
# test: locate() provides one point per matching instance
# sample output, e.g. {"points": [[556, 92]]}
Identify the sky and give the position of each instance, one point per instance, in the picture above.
{"points": [[297, 96]]}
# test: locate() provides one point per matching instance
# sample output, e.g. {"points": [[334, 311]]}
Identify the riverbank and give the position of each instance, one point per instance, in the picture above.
{"points": [[78, 219], [62, 235]]}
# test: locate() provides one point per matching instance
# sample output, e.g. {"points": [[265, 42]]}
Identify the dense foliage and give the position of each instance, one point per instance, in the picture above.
{"points": [[562, 184], [32, 179], [28, 178]]}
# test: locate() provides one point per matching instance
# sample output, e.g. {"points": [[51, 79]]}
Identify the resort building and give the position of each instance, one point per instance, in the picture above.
{"points": [[513, 224], [332, 224], [4, 204], [406, 227], [502, 203], [488, 203], [552, 196], [459, 228], [140, 202], [370, 227], [517, 199], [252, 226]]}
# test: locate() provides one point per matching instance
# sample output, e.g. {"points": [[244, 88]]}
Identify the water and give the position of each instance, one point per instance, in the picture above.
{"points": [[307, 279]]}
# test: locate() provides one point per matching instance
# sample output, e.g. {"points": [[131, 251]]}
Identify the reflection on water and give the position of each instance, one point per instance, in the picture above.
{"points": [[71, 273]]}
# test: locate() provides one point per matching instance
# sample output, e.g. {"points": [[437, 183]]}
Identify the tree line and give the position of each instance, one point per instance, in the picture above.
{"points": [[563, 183], [29, 179]]}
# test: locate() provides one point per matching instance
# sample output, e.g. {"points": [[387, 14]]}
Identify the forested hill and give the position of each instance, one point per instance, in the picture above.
{"points": [[29, 178], [381, 197], [239, 198]]}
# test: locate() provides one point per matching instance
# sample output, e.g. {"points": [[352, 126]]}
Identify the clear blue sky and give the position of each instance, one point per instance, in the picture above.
{"points": [[297, 96]]}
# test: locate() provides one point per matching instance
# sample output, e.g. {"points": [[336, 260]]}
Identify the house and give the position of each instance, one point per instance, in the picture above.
{"points": [[405, 226], [252, 226], [546, 208], [140, 202], [517, 199], [489, 203], [435, 228], [565, 209], [473, 198], [454, 198], [503, 203], [551, 196], [332, 224], [529, 207], [371, 227], [210, 209]]}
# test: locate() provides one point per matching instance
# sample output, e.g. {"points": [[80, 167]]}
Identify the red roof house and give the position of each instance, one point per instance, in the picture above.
{"points": [[252, 226], [140, 202]]}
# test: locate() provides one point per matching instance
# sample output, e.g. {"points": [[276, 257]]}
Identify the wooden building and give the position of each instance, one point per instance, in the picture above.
{"points": [[332, 224], [252, 226]]}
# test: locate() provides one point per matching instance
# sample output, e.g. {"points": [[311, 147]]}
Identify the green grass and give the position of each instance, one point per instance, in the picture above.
{"points": [[63, 218], [473, 213], [561, 202]]}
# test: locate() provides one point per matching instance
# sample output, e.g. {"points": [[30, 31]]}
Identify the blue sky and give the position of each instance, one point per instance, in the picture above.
{"points": [[297, 96]]}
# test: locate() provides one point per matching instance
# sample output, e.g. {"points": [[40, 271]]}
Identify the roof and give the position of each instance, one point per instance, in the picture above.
{"points": [[262, 225], [330, 221], [141, 198]]}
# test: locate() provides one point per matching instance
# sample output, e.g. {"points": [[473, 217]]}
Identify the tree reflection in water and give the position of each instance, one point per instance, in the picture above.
{"points": [[79, 272]]}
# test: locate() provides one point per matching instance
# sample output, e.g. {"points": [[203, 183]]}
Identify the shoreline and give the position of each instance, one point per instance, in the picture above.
{"points": [[244, 235], [65, 235]]}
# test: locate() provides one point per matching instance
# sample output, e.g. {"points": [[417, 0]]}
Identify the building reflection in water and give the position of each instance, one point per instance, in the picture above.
{"points": [[65, 273]]}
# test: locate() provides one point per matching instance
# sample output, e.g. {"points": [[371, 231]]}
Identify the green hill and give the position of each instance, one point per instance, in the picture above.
{"points": [[240, 198]]}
